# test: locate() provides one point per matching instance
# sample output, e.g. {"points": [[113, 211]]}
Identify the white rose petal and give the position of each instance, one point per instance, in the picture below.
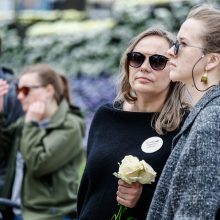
{"points": [[133, 170]]}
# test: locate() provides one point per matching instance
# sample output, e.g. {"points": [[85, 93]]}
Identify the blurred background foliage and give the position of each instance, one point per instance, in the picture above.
{"points": [[75, 43], [86, 45]]}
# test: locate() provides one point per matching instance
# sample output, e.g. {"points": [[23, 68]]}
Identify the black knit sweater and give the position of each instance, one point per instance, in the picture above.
{"points": [[113, 135]]}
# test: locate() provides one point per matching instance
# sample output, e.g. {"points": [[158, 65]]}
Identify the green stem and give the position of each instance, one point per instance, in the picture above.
{"points": [[120, 213]]}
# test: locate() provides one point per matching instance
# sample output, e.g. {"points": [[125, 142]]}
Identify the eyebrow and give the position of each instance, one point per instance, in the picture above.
{"points": [[182, 38]]}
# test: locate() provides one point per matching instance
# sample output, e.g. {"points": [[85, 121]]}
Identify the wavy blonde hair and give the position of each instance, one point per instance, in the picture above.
{"points": [[174, 106]]}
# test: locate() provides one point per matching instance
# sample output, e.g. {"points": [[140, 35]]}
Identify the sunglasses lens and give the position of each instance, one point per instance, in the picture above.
{"points": [[135, 59], [158, 62], [25, 90]]}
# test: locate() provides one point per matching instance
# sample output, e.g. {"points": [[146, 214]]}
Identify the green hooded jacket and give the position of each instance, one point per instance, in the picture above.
{"points": [[52, 155]]}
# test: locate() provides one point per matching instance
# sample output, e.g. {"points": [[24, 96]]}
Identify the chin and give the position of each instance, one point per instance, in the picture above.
{"points": [[24, 107], [174, 76]]}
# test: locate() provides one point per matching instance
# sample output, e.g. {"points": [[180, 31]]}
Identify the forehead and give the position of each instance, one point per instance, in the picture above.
{"points": [[152, 45], [28, 79], [192, 30]]}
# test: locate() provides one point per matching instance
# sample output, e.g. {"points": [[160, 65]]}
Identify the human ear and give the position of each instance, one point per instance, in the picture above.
{"points": [[213, 61], [50, 90]]}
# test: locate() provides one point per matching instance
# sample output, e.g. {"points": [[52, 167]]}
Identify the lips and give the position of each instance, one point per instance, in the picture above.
{"points": [[143, 79]]}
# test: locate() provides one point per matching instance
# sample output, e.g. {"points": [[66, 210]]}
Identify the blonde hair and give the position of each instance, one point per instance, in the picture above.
{"points": [[210, 18], [172, 111]]}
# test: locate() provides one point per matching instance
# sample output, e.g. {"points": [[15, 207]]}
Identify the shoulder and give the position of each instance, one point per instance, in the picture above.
{"points": [[6, 73], [104, 109], [67, 119], [206, 130], [210, 114], [73, 120], [102, 116]]}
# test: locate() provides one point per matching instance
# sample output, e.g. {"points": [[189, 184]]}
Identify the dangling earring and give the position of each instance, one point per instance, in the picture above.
{"points": [[204, 77]]}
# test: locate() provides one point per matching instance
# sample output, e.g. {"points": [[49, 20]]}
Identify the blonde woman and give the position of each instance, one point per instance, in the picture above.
{"points": [[147, 112]]}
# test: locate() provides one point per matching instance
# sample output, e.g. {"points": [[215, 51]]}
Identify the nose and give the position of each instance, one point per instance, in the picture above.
{"points": [[146, 65], [20, 96], [171, 51]]}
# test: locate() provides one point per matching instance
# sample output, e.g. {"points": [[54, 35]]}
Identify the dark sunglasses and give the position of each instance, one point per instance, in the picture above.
{"points": [[156, 61], [26, 89], [177, 45]]}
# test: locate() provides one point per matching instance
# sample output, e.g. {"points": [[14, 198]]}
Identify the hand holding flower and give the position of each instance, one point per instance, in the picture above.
{"points": [[128, 194], [134, 173]]}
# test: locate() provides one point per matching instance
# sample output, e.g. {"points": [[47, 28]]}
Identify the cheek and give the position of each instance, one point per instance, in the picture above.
{"points": [[25, 106], [183, 64], [163, 78], [131, 76], [38, 96]]}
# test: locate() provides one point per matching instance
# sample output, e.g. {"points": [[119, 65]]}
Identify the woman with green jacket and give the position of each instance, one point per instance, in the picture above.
{"points": [[46, 147]]}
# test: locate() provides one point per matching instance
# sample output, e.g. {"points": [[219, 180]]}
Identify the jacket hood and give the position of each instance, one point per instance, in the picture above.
{"points": [[76, 111]]}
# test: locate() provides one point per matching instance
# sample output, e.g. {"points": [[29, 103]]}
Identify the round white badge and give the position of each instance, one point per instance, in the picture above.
{"points": [[152, 144]]}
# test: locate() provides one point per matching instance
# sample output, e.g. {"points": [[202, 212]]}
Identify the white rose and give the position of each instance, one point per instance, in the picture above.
{"points": [[147, 175], [133, 170]]}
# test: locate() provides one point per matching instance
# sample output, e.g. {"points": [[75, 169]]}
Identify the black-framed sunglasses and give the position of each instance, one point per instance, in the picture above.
{"points": [[25, 90], [156, 61], [177, 45]]}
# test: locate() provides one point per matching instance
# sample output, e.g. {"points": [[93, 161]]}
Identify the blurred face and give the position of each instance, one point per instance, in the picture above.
{"points": [[186, 55], [30, 90], [151, 76]]}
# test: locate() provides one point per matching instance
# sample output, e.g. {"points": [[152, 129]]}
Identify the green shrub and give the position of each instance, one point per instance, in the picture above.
{"points": [[74, 44]]}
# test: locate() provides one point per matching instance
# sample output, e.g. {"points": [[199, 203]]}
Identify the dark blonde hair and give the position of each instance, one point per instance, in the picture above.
{"points": [[66, 89], [47, 76], [210, 17], [172, 112]]}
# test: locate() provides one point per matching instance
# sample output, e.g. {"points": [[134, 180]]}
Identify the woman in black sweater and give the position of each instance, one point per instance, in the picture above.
{"points": [[142, 122]]}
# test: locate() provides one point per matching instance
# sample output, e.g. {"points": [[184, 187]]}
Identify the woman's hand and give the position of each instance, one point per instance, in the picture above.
{"points": [[129, 194], [3, 90], [36, 111]]}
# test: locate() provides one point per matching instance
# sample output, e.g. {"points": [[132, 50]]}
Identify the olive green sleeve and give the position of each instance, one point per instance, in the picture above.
{"points": [[45, 151]]}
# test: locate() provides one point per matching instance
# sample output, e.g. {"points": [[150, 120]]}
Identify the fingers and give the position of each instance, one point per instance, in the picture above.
{"points": [[129, 194], [1, 105], [123, 183], [36, 111], [3, 90], [3, 87]]}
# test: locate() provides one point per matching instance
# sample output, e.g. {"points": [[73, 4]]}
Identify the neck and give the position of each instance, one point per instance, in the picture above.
{"points": [[145, 104], [51, 109], [193, 91], [193, 94]]}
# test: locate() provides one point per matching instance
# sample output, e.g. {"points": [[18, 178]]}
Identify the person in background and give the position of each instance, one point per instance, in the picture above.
{"points": [[146, 110], [44, 148], [11, 105], [12, 110], [189, 187]]}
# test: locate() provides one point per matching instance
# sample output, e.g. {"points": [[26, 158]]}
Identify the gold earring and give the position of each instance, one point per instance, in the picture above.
{"points": [[204, 77]]}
